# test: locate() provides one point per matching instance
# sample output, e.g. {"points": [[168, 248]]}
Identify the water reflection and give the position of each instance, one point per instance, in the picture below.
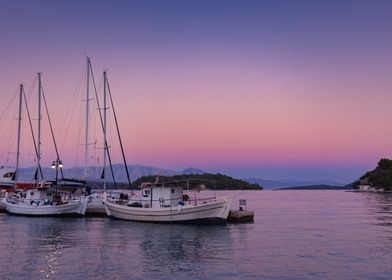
{"points": [[52, 246], [176, 248], [380, 206], [48, 237], [296, 235]]}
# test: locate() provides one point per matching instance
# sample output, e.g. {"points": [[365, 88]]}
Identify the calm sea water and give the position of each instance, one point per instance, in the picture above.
{"points": [[296, 235]]}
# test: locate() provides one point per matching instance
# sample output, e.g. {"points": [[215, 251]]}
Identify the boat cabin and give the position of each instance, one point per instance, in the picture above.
{"points": [[43, 197], [6, 177], [156, 196]]}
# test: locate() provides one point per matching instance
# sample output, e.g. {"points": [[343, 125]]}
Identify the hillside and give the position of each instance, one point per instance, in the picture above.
{"points": [[379, 178], [211, 181]]}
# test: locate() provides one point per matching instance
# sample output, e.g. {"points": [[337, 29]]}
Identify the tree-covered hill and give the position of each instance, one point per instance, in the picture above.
{"points": [[379, 178], [211, 181]]}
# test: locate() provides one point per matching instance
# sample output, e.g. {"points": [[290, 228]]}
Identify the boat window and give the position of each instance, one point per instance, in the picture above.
{"points": [[8, 175], [172, 190], [31, 193], [147, 192]]}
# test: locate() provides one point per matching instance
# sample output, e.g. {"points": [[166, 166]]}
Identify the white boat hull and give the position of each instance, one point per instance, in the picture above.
{"points": [[74, 207], [96, 207], [214, 211]]}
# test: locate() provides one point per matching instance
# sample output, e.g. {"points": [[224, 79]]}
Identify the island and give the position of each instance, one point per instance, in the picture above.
{"points": [[207, 180]]}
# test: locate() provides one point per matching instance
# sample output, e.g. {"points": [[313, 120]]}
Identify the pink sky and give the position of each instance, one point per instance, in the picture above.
{"points": [[214, 96]]}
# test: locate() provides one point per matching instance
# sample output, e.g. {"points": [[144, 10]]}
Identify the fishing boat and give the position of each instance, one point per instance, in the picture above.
{"points": [[44, 202], [42, 198], [158, 203]]}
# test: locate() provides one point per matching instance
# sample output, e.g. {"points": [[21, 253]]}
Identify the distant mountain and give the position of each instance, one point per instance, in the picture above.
{"points": [[138, 171], [94, 173], [272, 184], [193, 170]]}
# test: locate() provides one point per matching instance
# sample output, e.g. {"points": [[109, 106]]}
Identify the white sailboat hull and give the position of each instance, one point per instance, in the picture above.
{"points": [[75, 207], [214, 211], [96, 207]]}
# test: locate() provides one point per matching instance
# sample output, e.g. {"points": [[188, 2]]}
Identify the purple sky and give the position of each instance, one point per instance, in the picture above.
{"points": [[272, 89]]}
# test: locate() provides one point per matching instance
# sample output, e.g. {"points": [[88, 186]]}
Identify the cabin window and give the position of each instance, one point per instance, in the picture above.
{"points": [[31, 193], [147, 192], [172, 190], [8, 175]]}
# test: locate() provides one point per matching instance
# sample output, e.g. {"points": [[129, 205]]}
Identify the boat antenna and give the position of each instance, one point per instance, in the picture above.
{"points": [[102, 124], [119, 136]]}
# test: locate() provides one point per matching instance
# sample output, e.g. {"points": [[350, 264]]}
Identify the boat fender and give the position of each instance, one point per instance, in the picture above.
{"points": [[161, 201]]}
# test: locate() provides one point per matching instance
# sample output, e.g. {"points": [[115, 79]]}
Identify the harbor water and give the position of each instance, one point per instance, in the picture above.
{"points": [[295, 235]]}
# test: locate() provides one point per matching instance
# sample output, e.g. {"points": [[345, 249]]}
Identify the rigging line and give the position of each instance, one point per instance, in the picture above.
{"points": [[79, 132], [6, 139], [32, 133], [119, 136], [32, 90], [70, 112], [10, 140], [8, 107], [103, 129], [51, 130]]}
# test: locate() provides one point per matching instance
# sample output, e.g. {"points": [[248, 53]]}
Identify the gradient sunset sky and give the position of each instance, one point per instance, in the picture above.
{"points": [[271, 89]]}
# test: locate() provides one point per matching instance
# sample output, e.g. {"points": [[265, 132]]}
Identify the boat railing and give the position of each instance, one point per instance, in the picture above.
{"points": [[16, 199], [140, 202]]}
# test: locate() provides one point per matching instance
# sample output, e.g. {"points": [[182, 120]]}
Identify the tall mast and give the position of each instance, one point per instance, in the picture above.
{"points": [[19, 128], [87, 115], [104, 130], [39, 126], [101, 120]]}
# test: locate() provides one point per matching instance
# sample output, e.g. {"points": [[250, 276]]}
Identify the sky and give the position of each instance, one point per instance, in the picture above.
{"points": [[269, 89]]}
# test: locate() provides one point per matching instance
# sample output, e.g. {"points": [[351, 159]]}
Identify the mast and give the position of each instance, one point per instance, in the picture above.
{"points": [[39, 170], [39, 126], [19, 128], [102, 125], [87, 122], [104, 130]]}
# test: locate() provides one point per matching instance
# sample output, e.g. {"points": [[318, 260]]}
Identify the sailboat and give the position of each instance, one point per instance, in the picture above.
{"points": [[44, 198], [95, 204]]}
